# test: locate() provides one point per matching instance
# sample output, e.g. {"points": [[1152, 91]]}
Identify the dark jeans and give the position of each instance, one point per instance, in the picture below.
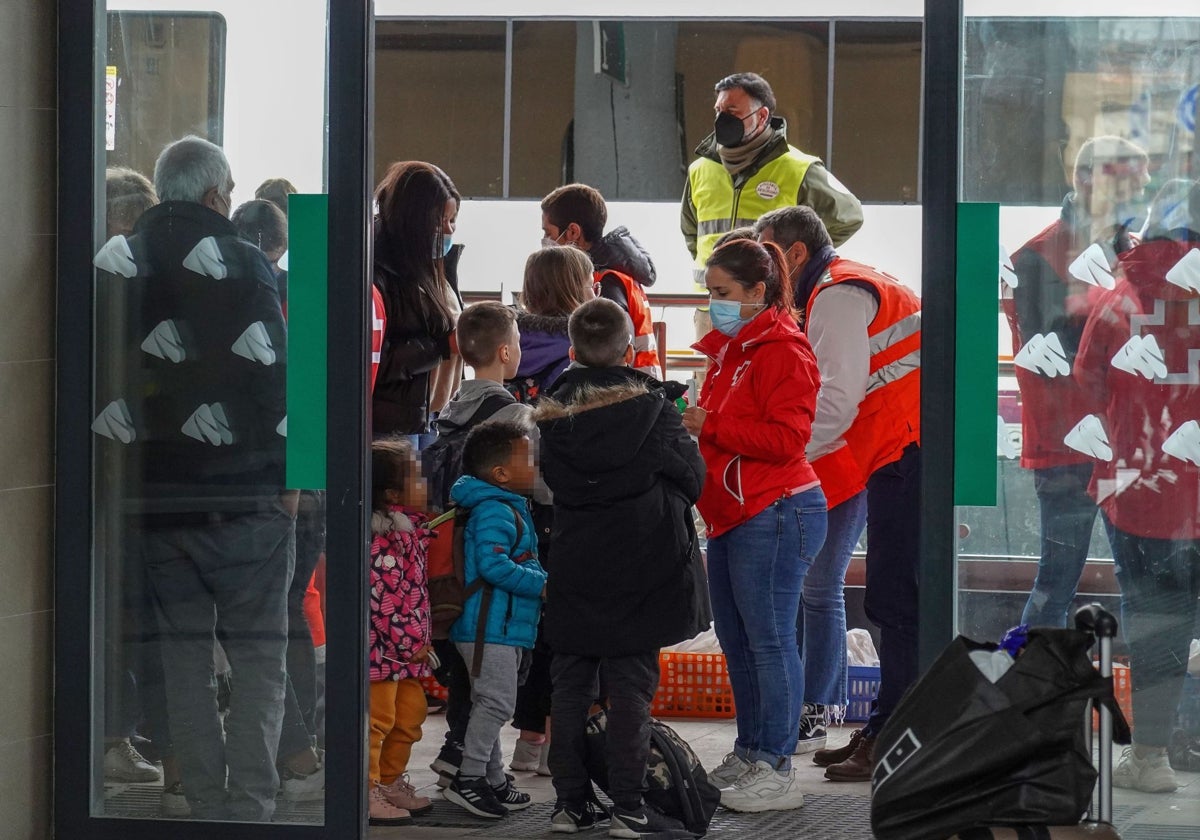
{"points": [[1160, 581], [893, 546], [227, 580], [631, 682], [457, 678], [300, 702], [1068, 515]]}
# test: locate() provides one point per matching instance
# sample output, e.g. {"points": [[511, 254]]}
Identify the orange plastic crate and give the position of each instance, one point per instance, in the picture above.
{"points": [[693, 685]]}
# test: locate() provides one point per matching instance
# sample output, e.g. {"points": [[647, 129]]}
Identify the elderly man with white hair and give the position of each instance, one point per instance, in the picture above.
{"points": [[190, 425]]}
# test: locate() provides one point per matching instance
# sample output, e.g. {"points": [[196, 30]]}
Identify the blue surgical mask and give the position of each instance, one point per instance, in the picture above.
{"points": [[727, 315], [447, 241]]}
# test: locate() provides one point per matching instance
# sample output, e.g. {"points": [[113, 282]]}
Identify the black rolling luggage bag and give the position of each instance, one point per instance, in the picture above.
{"points": [[965, 757]]}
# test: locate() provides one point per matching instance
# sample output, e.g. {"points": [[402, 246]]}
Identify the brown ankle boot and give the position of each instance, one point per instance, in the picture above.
{"points": [[824, 758], [856, 768]]}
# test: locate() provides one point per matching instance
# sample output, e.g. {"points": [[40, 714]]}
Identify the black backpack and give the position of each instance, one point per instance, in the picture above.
{"points": [[676, 782], [441, 461]]}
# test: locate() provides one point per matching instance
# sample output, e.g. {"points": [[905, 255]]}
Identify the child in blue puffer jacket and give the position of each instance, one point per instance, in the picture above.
{"points": [[505, 585]]}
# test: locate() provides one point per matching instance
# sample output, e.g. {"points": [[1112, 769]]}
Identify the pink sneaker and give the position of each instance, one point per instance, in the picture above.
{"points": [[382, 812], [402, 794]]}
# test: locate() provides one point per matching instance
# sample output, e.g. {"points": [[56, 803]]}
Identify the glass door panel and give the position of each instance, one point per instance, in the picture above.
{"points": [[1080, 129], [208, 497]]}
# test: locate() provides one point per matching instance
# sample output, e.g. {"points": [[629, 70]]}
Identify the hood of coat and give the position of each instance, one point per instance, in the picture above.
{"points": [[470, 491], [1146, 267], [544, 342], [618, 250], [597, 421], [470, 396]]}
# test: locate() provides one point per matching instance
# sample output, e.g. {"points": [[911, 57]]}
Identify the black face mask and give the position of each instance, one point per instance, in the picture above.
{"points": [[728, 130]]}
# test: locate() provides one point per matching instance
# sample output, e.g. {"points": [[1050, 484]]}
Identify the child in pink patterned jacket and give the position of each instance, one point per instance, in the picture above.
{"points": [[399, 636]]}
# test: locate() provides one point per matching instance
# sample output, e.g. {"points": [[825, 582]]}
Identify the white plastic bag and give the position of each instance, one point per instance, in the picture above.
{"points": [[860, 650]]}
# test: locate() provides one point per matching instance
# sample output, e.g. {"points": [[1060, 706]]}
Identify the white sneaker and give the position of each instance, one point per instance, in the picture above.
{"points": [[763, 788], [543, 768], [526, 756], [729, 771], [1152, 774], [123, 763]]}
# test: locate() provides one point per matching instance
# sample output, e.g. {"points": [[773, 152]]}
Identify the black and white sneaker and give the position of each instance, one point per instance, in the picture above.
{"points": [[475, 796], [812, 736], [569, 818], [510, 797], [645, 821], [449, 759]]}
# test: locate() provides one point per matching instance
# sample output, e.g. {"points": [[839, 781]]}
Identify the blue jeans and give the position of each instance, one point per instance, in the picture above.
{"points": [[1068, 515], [821, 623], [1160, 581], [755, 574]]}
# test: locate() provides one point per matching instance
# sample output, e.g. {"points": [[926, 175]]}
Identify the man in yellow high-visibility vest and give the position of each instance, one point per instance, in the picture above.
{"points": [[746, 168]]}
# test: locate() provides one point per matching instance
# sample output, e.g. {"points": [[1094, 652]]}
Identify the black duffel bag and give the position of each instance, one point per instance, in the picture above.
{"points": [[961, 752]]}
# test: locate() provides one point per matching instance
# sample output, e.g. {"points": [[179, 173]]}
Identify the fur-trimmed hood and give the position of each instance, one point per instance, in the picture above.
{"points": [[599, 420], [589, 396]]}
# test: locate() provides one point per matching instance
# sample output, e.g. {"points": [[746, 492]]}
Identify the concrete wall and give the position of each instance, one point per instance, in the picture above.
{"points": [[27, 301]]}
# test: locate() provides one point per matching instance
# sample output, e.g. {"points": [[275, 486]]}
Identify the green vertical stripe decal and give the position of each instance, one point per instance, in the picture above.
{"points": [[307, 311], [975, 400]]}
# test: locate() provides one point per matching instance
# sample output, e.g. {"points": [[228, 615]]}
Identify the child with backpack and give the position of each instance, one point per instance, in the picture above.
{"points": [[627, 576], [504, 586], [398, 637], [490, 344]]}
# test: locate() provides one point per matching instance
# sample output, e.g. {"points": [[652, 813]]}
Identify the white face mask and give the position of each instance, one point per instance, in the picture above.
{"points": [[547, 242]]}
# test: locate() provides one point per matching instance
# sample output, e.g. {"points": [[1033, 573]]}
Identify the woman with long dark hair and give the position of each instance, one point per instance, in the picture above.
{"points": [[764, 509], [415, 273]]}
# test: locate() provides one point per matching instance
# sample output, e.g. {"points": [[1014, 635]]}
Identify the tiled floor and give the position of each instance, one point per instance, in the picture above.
{"points": [[832, 811]]}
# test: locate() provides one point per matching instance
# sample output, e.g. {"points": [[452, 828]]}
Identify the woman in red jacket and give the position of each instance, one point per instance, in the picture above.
{"points": [[764, 508]]}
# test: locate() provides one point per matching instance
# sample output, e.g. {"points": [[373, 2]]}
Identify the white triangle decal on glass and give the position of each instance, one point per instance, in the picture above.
{"points": [[164, 342], [1008, 274], [1124, 478], [254, 344], [1089, 437], [1044, 354], [1004, 444], [1186, 273], [115, 423], [206, 259], [1093, 267], [116, 257], [1141, 356], [1184, 443], [209, 424]]}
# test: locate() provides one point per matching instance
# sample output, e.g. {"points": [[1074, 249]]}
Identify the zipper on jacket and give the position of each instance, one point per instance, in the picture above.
{"points": [[507, 615], [737, 200]]}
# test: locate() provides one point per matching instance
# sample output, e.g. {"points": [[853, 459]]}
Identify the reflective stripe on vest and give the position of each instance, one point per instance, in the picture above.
{"points": [[720, 207], [889, 417], [645, 347]]}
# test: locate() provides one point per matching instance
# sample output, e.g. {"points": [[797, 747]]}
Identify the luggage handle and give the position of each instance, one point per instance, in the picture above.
{"points": [[1096, 620]]}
